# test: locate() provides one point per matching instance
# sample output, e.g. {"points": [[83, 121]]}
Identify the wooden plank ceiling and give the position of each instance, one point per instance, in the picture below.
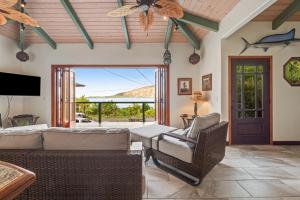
{"points": [[275, 10], [53, 18]]}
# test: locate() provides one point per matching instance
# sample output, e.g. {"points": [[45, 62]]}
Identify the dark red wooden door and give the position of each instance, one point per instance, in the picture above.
{"points": [[250, 100]]}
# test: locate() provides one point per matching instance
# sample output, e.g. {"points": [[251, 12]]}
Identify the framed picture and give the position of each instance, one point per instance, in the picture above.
{"points": [[184, 86], [207, 82]]}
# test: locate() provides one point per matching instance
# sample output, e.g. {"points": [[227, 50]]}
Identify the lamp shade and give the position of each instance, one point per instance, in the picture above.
{"points": [[197, 96]]}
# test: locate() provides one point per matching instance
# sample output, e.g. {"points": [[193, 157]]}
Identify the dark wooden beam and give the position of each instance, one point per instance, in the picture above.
{"points": [[44, 36], [70, 10], [286, 14], [168, 34], [200, 22], [188, 34], [124, 27]]}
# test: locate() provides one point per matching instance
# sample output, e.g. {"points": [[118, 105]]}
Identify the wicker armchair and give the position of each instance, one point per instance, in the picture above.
{"points": [[208, 151]]}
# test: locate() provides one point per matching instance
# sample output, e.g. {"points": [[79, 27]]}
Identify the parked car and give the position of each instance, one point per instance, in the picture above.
{"points": [[81, 118]]}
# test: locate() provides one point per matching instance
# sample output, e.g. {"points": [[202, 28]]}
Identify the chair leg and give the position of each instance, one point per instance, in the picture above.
{"points": [[177, 174]]}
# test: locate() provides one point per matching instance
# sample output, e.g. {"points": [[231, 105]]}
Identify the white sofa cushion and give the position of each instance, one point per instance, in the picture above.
{"points": [[28, 128], [86, 139], [174, 147], [203, 122], [21, 139], [146, 133]]}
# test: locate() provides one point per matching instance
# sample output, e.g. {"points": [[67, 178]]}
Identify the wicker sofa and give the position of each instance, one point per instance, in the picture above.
{"points": [[81, 164]]}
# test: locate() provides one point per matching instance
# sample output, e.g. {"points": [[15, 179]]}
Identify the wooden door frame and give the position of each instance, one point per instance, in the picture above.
{"points": [[53, 83], [270, 60]]}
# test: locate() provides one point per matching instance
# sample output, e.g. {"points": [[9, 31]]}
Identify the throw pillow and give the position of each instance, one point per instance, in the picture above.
{"points": [[203, 122]]}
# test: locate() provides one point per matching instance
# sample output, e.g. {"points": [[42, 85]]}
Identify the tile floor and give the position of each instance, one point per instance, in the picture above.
{"points": [[246, 173]]}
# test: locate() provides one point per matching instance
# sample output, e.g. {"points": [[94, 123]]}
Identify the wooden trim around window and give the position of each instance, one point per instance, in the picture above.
{"points": [[270, 60]]}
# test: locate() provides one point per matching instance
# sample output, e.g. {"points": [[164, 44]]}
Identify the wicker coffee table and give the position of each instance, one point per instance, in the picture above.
{"points": [[13, 180]]}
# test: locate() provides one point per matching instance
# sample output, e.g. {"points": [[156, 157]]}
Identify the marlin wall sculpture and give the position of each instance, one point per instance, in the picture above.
{"points": [[272, 41]]}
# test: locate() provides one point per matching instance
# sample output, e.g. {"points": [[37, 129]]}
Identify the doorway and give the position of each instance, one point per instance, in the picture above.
{"points": [[250, 100], [65, 105]]}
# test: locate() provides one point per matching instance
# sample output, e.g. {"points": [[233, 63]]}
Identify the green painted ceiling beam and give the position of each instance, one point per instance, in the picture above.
{"points": [[200, 22], [286, 14], [21, 38], [188, 34], [21, 31], [168, 34], [44, 36], [124, 27], [38, 30], [68, 7]]}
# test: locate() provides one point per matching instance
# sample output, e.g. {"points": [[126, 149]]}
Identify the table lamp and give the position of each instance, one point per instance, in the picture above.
{"points": [[196, 96]]}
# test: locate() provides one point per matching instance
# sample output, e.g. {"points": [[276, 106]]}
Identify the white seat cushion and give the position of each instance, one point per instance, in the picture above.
{"points": [[203, 122], [174, 147], [146, 133], [28, 128], [86, 139], [21, 139]]}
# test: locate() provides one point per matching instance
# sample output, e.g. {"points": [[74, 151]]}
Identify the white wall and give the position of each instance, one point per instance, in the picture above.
{"points": [[42, 57], [286, 109], [9, 63], [210, 64]]}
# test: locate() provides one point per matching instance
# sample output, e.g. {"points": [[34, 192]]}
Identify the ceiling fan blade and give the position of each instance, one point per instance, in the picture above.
{"points": [[169, 8], [157, 6], [146, 20], [8, 3], [123, 11], [20, 17], [2, 20]]}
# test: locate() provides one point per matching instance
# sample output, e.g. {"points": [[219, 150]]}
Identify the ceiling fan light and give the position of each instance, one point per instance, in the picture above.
{"points": [[22, 28], [23, 4]]}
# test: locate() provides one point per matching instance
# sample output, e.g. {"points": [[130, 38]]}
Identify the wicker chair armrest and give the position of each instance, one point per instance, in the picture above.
{"points": [[180, 137]]}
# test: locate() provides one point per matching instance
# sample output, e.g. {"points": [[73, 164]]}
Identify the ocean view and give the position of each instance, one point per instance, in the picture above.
{"points": [[124, 99]]}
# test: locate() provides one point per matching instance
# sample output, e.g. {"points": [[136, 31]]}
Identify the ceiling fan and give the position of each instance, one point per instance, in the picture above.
{"points": [[165, 8], [7, 11]]}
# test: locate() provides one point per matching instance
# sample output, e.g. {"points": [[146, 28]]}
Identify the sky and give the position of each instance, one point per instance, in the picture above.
{"points": [[108, 81]]}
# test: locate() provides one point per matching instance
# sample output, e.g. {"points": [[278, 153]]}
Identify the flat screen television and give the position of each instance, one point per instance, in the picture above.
{"points": [[19, 85]]}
